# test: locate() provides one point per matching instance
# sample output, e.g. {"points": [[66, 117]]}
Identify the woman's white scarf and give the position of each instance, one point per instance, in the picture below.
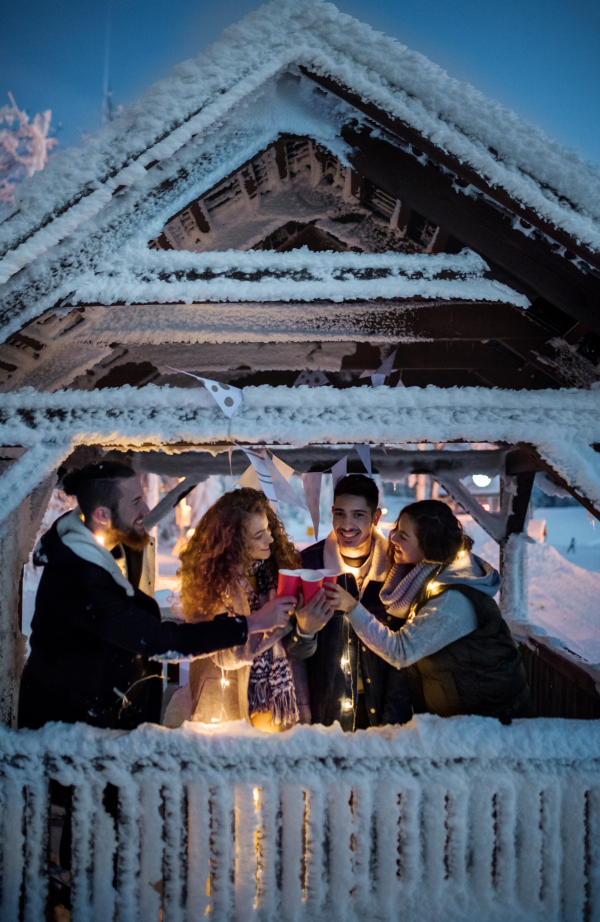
{"points": [[402, 585]]}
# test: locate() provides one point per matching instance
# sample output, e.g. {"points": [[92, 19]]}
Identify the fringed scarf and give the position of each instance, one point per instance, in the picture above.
{"points": [[402, 586], [271, 684]]}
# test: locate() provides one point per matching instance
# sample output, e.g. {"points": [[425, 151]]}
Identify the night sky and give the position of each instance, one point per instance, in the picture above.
{"points": [[540, 58]]}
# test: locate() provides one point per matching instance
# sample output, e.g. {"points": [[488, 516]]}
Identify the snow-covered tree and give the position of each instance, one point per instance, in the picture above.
{"points": [[24, 146]]}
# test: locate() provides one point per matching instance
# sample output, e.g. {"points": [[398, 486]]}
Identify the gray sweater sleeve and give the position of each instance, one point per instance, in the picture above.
{"points": [[440, 621]]}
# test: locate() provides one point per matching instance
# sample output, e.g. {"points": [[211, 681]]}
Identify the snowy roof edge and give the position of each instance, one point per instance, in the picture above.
{"points": [[506, 150]]}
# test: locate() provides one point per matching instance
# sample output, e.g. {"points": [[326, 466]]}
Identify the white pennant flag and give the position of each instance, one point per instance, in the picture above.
{"points": [[364, 453], [283, 468], [226, 395], [283, 490], [312, 490], [339, 470], [387, 366], [259, 463]]}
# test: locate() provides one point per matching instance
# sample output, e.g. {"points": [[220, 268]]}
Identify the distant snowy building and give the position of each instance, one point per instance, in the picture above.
{"points": [[303, 201]]}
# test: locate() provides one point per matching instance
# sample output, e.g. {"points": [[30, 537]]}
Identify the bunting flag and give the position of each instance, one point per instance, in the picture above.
{"points": [[227, 396], [283, 490], [311, 379], [387, 366], [249, 479], [339, 470], [364, 453], [258, 459], [312, 490]]}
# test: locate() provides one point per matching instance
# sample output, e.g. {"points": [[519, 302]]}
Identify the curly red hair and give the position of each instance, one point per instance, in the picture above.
{"points": [[216, 554]]}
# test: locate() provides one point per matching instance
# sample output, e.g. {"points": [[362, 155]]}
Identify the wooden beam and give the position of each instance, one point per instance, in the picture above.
{"points": [[410, 136], [476, 224], [520, 504], [526, 459]]}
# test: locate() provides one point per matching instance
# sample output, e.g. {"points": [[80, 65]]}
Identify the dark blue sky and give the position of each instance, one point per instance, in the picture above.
{"points": [[539, 57]]}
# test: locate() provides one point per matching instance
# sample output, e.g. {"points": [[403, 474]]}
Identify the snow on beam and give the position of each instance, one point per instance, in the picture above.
{"points": [[152, 276], [171, 418]]}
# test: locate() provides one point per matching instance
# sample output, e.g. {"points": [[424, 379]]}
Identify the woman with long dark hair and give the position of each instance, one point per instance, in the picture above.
{"points": [[461, 656], [230, 566]]}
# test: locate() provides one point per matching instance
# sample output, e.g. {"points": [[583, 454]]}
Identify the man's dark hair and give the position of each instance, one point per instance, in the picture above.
{"points": [[358, 485], [97, 485]]}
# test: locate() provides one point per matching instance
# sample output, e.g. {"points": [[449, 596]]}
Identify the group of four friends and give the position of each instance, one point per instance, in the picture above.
{"points": [[410, 626]]}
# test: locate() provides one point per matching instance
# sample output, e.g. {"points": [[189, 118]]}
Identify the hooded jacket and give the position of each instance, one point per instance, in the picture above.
{"points": [[94, 636], [334, 654], [463, 657]]}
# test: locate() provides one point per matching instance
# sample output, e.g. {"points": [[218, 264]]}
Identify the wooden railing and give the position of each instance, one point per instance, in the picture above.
{"points": [[441, 820]]}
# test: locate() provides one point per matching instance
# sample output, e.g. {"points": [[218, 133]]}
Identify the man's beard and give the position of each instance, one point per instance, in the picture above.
{"points": [[129, 537]]}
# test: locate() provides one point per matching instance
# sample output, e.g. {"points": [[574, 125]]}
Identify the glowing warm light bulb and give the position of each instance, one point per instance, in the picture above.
{"points": [[461, 553], [100, 539], [214, 720], [190, 532], [384, 511], [434, 587], [224, 681], [481, 480], [347, 705], [345, 661], [256, 796]]}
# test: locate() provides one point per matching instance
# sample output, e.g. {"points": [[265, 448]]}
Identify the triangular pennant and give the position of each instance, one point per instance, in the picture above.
{"points": [[339, 470], [312, 491], [230, 453], [282, 467], [364, 453], [387, 366], [249, 479], [283, 490], [400, 383], [259, 463], [227, 396], [377, 380], [311, 379]]}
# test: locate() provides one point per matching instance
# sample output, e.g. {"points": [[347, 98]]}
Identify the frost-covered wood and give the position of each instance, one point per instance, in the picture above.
{"points": [[444, 820], [562, 425], [17, 537]]}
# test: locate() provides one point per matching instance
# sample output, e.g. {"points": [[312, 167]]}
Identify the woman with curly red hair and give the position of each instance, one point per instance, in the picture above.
{"points": [[229, 567]]}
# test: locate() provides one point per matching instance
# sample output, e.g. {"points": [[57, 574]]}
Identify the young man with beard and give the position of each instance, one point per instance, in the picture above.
{"points": [[348, 682], [94, 632]]}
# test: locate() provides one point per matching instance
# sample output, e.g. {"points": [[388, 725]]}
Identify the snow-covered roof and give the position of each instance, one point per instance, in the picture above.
{"points": [[506, 152], [155, 276]]}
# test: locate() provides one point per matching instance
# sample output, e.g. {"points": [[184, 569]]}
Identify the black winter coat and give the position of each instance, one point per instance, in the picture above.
{"points": [[89, 638], [331, 684]]}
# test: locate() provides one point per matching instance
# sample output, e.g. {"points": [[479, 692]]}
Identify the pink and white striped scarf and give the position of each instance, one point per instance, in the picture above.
{"points": [[402, 586]]}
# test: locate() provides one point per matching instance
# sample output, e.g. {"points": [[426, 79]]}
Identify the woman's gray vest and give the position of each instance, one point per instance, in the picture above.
{"points": [[480, 673]]}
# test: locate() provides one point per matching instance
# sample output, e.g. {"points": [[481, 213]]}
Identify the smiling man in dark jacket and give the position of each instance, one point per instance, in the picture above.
{"points": [[347, 681], [94, 634]]}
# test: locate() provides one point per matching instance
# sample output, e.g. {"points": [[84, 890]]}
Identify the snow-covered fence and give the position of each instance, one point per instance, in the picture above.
{"points": [[445, 819]]}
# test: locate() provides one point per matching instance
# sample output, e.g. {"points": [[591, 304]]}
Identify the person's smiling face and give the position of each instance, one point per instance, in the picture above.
{"points": [[353, 522], [258, 536], [405, 541]]}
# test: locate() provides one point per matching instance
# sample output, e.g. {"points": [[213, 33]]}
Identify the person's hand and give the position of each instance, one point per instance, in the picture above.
{"points": [[275, 613], [315, 614], [339, 598]]}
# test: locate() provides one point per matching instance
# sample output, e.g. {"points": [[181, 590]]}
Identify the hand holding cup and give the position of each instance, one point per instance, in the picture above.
{"points": [[274, 614]]}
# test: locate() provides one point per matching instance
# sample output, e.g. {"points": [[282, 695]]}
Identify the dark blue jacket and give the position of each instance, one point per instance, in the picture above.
{"points": [[332, 685]]}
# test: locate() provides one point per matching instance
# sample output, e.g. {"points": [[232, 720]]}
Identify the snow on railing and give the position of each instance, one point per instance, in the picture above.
{"points": [[444, 819]]}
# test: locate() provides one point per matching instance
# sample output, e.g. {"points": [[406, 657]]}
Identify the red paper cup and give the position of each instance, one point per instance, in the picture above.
{"points": [[312, 580], [288, 582], [330, 576]]}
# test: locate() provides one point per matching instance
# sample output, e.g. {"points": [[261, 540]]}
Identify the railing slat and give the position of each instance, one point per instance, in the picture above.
{"points": [[175, 871], [198, 884], [104, 866], [151, 848], [36, 844], [13, 848], [292, 870]]}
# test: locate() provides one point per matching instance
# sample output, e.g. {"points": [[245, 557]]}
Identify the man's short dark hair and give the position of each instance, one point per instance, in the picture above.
{"points": [[358, 485], [97, 485]]}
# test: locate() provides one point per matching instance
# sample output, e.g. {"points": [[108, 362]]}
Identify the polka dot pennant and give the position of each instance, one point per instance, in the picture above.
{"points": [[227, 396]]}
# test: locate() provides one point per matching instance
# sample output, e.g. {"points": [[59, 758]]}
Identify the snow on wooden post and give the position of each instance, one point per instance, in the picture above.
{"points": [[17, 538]]}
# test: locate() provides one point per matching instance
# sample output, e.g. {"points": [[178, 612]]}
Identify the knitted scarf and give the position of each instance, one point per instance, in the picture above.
{"points": [[271, 684], [402, 586]]}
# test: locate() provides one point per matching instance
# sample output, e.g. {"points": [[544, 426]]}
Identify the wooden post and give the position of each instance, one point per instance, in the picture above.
{"points": [[19, 531]]}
